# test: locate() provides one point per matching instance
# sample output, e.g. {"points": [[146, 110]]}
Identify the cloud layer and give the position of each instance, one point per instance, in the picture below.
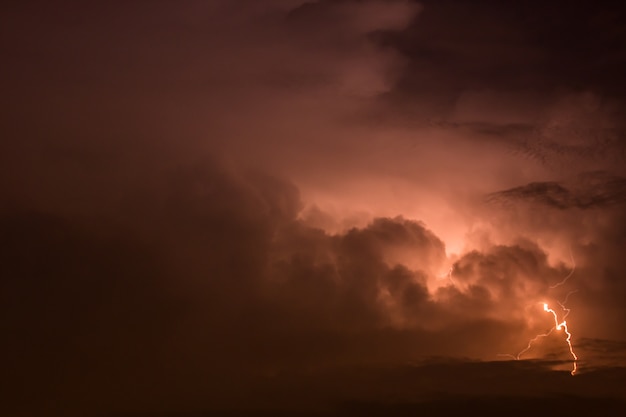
{"points": [[201, 200]]}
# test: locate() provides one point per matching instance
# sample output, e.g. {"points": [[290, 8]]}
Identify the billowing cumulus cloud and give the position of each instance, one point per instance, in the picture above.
{"points": [[214, 273], [288, 204]]}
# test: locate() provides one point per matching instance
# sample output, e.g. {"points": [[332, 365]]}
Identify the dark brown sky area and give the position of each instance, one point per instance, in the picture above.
{"points": [[332, 207]]}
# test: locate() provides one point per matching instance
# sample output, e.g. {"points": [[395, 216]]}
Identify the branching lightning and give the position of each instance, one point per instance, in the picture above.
{"points": [[530, 344], [563, 325], [562, 304], [558, 325], [564, 280]]}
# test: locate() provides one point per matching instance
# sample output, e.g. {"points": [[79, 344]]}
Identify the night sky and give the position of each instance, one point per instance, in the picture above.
{"points": [[331, 207]]}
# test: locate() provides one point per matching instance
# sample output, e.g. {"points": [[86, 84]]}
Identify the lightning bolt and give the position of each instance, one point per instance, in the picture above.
{"points": [[564, 280], [563, 325], [530, 344], [562, 304]]}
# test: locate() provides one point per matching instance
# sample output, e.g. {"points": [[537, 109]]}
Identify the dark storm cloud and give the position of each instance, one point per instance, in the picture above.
{"points": [[438, 388], [584, 216], [569, 145], [543, 83], [205, 204], [505, 46], [589, 190], [213, 273]]}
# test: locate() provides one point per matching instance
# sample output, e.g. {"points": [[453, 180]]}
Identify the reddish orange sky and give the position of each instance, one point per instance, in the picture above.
{"points": [[335, 206]]}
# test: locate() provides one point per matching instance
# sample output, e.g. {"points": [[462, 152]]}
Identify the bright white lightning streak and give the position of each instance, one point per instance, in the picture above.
{"points": [[557, 326], [563, 325]]}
